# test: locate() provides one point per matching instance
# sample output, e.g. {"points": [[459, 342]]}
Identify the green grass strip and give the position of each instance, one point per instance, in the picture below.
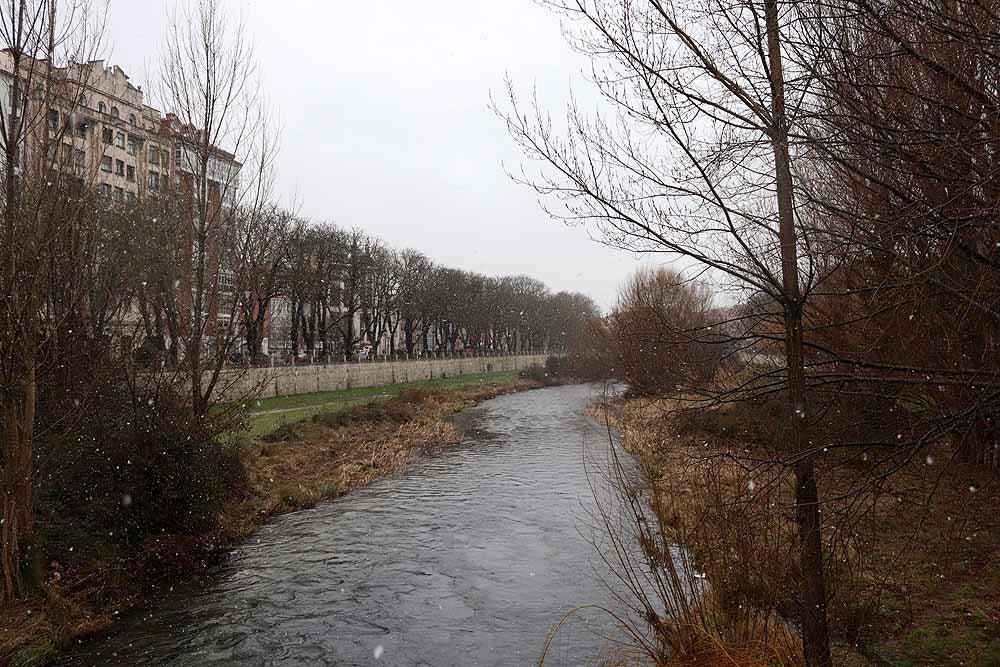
{"points": [[267, 414]]}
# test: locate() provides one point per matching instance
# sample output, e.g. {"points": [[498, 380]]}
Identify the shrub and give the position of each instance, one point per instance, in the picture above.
{"points": [[534, 372], [285, 432], [665, 333], [396, 411], [759, 422], [137, 465], [418, 395], [558, 366]]}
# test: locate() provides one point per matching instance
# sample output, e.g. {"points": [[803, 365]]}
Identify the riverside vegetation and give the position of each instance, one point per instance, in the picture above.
{"points": [[912, 564], [911, 532], [164, 505]]}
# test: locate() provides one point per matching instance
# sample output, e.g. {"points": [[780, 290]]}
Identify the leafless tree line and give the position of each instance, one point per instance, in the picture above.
{"points": [[326, 290]]}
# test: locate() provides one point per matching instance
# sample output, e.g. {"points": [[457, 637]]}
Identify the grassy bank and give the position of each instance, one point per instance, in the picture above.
{"points": [[267, 414], [912, 559], [317, 447]]}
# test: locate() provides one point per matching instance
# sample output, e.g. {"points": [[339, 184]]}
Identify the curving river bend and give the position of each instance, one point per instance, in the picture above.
{"points": [[466, 559]]}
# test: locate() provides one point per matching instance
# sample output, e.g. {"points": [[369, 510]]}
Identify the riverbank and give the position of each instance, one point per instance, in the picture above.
{"points": [[310, 457], [911, 558]]}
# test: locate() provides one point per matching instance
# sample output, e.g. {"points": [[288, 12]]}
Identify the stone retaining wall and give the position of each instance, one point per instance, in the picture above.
{"points": [[306, 379]]}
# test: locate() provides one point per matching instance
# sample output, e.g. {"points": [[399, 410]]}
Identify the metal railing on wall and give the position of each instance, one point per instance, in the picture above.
{"points": [[330, 360]]}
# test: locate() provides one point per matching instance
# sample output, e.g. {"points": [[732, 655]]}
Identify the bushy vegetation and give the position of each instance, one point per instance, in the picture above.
{"points": [[135, 464], [395, 411], [661, 337]]}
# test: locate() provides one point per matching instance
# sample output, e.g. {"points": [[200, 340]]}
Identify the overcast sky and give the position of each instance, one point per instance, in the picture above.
{"points": [[385, 125]]}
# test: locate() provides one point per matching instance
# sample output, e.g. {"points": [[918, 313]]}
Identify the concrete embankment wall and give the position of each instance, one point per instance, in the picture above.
{"points": [[305, 379]]}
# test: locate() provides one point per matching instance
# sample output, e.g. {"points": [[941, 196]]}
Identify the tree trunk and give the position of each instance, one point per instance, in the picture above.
{"points": [[296, 310], [252, 337], [310, 332], [323, 331], [815, 634], [16, 476], [408, 336]]}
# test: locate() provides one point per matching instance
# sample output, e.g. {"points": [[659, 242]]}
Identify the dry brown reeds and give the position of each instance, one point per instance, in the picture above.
{"points": [[682, 609]]}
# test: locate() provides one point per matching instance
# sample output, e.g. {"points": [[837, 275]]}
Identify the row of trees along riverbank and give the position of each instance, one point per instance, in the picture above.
{"points": [[831, 167]]}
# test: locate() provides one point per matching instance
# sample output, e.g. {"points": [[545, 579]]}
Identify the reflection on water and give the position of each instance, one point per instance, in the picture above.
{"points": [[466, 559]]}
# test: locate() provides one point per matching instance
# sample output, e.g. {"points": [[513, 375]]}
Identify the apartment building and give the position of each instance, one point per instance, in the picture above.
{"points": [[99, 125], [90, 121]]}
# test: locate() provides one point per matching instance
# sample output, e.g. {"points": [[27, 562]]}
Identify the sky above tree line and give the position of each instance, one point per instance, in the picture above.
{"points": [[385, 123]]}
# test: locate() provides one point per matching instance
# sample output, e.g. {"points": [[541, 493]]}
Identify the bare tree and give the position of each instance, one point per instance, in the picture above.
{"points": [[414, 302], [906, 103], [208, 80], [662, 327], [715, 187], [266, 234], [380, 297], [352, 271]]}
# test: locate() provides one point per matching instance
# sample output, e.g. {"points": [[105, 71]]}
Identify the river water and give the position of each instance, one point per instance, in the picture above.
{"points": [[466, 559]]}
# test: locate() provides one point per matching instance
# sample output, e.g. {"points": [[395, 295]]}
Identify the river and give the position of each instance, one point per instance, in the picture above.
{"points": [[469, 558]]}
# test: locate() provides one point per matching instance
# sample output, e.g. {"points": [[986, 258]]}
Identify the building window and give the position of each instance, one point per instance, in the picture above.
{"points": [[130, 173], [114, 112], [53, 119], [79, 157], [120, 140], [119, 167], [106, 163], [67, 154], [107, 136], [82, 101], [81, 129], [154, 181], [101, 108], [119, 195], [130, 196], [133, 145], [226, 281], [104, 189], [131, 119], [154, 155]]}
